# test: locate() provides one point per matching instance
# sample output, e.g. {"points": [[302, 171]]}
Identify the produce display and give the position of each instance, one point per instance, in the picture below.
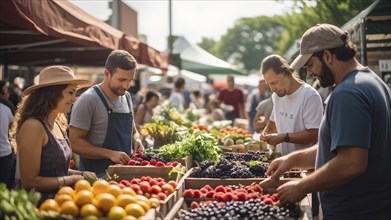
{"points": [[18, 204], [150, 159], [247, 165], [251, 209]]}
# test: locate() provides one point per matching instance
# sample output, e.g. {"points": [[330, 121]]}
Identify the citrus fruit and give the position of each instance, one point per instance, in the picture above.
{"points": [[100, 186], [89, 210], [69, 208], [66, 190], [50, 205], [135, 210], [105, 201], [142, 198], [146, 206], [129, 217], [155, 202], [128, 190], [116, 213], [114, 190], [84, 197], [124, 199], [61, 198], [82, 185]]}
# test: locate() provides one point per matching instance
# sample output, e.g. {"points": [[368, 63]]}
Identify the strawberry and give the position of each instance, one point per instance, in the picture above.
{"points": [[160, 164], [219, 196], [210, 194], [196, 193], [194, 205], [228, 197], [188, 193], [153, 162], [208, 187], [274, 197], [175, 163], [144, 163], [268, 201], [242, 196], [203, 190], [220, 188], [125, 182], [131, 162]]}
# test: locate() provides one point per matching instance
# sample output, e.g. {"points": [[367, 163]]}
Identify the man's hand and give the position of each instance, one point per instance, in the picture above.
{"points": [[290, 192], [88, 174], [272, 139], [119, 157], [138, 146]]}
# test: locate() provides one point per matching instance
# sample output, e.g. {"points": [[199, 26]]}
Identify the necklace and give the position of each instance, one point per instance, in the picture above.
{"points": [[114, 106]]}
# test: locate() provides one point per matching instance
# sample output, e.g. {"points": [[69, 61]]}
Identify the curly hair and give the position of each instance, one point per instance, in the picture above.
{"points": [[38, 105]]}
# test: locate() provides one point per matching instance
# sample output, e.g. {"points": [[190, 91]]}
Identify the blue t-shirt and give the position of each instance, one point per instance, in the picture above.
{"points": [[358, 114]]}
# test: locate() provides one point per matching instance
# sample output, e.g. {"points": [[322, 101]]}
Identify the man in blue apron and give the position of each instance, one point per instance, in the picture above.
{"points": [[102, 127]]}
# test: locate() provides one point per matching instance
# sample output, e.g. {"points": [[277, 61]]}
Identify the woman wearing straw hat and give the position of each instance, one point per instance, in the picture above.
{"points": [[39, 135]]}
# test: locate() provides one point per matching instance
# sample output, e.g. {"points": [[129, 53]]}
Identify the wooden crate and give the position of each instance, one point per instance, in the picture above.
{"points": [[130, 172]]}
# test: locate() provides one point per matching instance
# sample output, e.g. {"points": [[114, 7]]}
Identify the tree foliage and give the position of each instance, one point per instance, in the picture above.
{"points": [[251, 39]]}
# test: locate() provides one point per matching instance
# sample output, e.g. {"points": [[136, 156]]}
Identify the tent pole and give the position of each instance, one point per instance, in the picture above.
{"points": [[363, 43]]}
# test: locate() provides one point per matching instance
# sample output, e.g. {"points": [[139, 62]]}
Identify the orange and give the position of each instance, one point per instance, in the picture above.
{"points": [[66, 190], [100, 186], [69, 208], [114, 190], [142, 198], [50, 205], [84, 197], [116, 213], [125, 199], [89, 210], [129, 217], [82, 185], [135, 210], [105, 201], [61, 198], [128, 190], [155, 202], [145, 205]]}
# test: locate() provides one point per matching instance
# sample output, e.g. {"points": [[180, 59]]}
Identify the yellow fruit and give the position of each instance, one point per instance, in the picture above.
{"points": [[129, 217], [69, 208], [66, 190], [114, 190], [61, 198], [155, 202], [116, 213], [135, 210], [89, 210], [91, 217], [128, 190], [105, 201], [100, 186], [82, 185], [50, 205], [84, 197], [145, 205], [142, 198], [125, 199]]}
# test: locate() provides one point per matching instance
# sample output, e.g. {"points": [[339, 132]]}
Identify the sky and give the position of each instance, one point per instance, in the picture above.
{"points": [[192, 19]]}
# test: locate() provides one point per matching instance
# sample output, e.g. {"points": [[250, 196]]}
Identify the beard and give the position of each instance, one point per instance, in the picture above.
{"points": [[118, 91], [326, 78]]}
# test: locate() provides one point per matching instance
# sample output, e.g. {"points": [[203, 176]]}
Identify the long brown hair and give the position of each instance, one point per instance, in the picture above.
{"points": [[38, 105]]}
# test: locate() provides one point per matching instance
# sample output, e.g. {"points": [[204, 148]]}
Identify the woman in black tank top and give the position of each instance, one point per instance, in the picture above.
{"points": [[39, 132]]}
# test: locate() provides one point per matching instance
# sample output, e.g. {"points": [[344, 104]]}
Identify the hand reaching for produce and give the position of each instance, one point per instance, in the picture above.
{"points": [[138, 146], [291, 192], [119, 157], [88, 174]]}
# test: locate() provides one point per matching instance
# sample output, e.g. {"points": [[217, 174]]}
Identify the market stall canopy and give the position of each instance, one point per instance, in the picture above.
{"points": [[195, 59], [56, 31]]}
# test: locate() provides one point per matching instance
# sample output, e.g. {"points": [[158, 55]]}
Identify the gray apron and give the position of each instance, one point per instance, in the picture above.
{"points": [[119, 136]]}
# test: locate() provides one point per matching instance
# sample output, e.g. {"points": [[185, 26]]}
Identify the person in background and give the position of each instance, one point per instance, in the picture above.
{"points": [[264, 110], [145, 110], [7, 156], [167, 88], [297, 110], [134, 91], [4, 96], [176, 98], [214, 107], [352, 159], [197, 101], [253, 99], [234, 97], [102, 129], [39, 132]]}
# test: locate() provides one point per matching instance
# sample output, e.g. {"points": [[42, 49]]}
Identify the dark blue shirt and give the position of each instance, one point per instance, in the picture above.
{"points": [[358, 114]]}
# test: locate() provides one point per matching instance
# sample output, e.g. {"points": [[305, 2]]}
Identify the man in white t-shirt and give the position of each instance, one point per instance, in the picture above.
{"points": [[297, 111]]}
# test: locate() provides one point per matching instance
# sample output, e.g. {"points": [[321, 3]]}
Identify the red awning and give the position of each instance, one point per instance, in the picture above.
{"points": [[42, 32]]}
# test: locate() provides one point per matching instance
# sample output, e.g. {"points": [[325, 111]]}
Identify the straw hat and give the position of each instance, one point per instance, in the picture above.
{"points": [[57, 75]]}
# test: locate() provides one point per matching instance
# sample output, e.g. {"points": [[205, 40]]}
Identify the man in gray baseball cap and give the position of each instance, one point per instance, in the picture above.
{"points": [[352, 157]]}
